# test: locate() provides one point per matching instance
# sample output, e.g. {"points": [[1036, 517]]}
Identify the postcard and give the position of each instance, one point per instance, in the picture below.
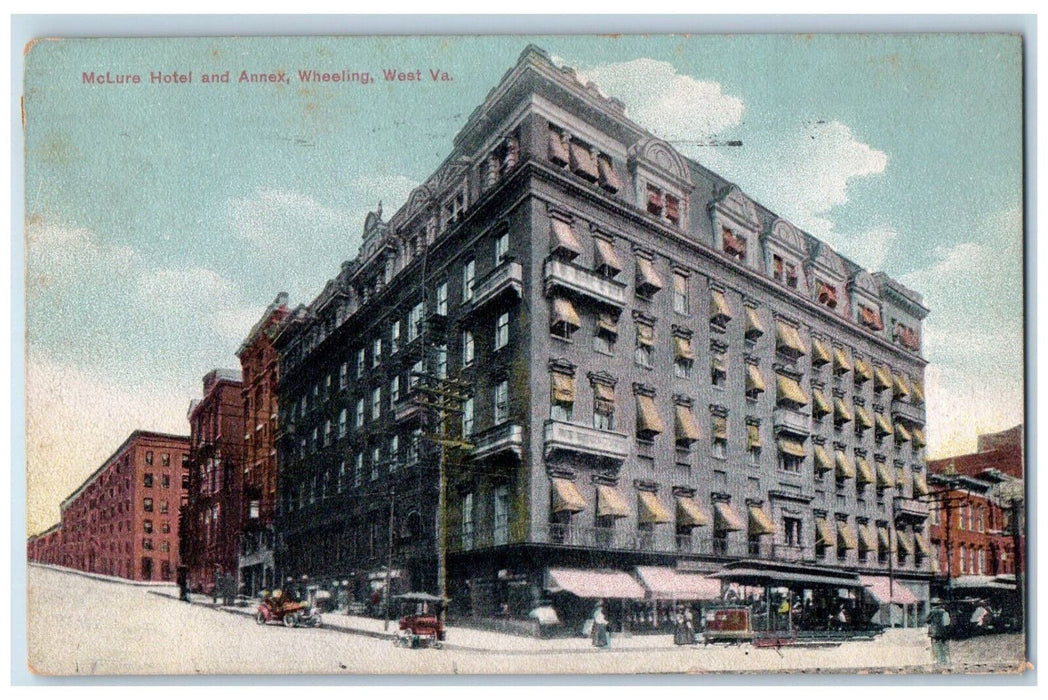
{"points": [[525, 354]]}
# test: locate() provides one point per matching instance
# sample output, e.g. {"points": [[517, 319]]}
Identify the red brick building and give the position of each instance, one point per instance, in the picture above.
{"points": [[46, 547], [968, 523], [259, 367], [1001, 451], [213, 517], [123, 520]]}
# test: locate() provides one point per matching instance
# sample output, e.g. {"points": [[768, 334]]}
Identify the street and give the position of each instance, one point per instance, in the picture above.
{"points": [[80, 625]]}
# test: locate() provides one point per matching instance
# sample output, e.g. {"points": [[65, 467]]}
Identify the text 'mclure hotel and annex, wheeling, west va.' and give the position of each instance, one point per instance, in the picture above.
{"points": [[633, 365]]}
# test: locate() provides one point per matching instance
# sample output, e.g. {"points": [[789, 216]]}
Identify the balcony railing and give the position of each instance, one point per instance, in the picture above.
{"points": [[911, 508], [572, 437], [509, 276], [793, 421], [507, 437], [908, 412], [585, 282]]}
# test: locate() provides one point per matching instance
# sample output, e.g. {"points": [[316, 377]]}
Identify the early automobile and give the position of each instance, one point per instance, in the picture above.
{"points": [[283, 609], [420, 620]]}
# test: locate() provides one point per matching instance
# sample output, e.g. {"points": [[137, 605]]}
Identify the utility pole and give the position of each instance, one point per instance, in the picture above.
{"points": [[389, 553]]}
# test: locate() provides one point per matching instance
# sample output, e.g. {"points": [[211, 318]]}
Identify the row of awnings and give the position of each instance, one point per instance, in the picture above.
{"points": [[868, 537]]}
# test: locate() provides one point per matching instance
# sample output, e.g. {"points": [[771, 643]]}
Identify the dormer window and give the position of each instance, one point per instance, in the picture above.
{"points": [[734, 246], [871, 318], [784, 272], [672, 209], [826, 294], [609, 179], [655, 201], [583, 163], [907, 336]]}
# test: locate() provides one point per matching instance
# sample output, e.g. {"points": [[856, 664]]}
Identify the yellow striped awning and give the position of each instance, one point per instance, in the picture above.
{"points": [[842, 413], [918, 392], [646, 274], [566, 497], [918, 438], [650, 510], [754, 329], [648, 420], [863, 373], [607, 257], [789, 390], [846, 536], [564, 312], [920, 484], [687, 428], [823, 463], [610, 502], [884, 475], [820, 355], [841, 364], [563, 388], [788, 339], [882, 379], [563, 238], [760, 523], [753, 436], [845, 468], [754, 380], [868, 538], [902, 387], [682, 349], [689, 514], [791, 447], [901, 433], [725, 519], [821, 406], [719, 309], [883, 426], [904, 541], [825, 534], [865, 421], [865, 474]]}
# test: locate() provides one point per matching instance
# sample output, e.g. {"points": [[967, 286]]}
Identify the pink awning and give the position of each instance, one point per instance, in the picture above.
{"points": [[664, 583], [588, 583], [882, 588]]}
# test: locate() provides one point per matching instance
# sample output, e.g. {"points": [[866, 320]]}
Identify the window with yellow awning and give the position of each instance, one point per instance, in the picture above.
{"points": [[720, 312], [759, 523], [648, 421], [610, 503], [725, 519], [882, 379], [754, 329], [820, 354], [564, 242], [789, 391], [650, 510], [845, 468], [566, 497], [841, 363], [788, 340], [823, 463], [687, 428], [690, 514]]}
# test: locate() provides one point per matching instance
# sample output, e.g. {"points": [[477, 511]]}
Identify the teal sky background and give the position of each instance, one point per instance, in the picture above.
{"points": [[161, 220]]}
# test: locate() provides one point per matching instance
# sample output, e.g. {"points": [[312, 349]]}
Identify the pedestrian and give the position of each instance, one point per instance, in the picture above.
{"points": [[689, 624], [600, 627], [939, 631], [680, 633]]}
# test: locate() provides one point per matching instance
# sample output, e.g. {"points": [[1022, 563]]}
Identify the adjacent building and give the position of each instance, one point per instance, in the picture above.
{"points": [[46, 547], [602, 356], [213, 517], [260, 374], [123, 520]]}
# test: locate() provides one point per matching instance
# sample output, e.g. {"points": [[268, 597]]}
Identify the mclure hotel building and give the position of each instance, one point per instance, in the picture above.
{"points": [[656, 383]]}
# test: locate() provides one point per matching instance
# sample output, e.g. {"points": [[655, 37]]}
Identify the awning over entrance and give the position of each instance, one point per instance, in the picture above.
{"points": [[594, 583], [664, 583], [885, 591]]}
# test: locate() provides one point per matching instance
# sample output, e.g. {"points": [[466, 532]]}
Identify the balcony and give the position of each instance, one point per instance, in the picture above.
{"points": [[509, 276], [908, 412], [582, 439], [792, 421], [407, 409], [912, 509], [585, 282], [507, 437]]}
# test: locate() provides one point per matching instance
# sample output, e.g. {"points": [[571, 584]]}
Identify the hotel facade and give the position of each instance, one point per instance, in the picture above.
{"points": [[613, 366]]}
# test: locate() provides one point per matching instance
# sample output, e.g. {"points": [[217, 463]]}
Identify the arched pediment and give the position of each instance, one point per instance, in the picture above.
{"points": [[734, 202], [864, 281], [660, 155], [419, 199], [448, 175], [785, 233], [828, 260]]}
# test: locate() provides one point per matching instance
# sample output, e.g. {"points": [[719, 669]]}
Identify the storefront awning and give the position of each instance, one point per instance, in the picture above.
{"points": [[689, 514], [607, 258], [787, 389], [754, 329], [664, 583], [563, 238], [595, 583], [884, 590], [726, 519], [751, 574], [610, 502], [566, 497], [760, 523], [650, 510]]}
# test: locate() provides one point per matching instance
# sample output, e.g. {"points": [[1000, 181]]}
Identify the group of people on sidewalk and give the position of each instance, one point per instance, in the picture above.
{"points": [[683, 626]]}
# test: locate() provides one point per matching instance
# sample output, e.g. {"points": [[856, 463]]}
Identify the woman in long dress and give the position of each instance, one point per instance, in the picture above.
{"points": [[680, 631], [600, 626]]}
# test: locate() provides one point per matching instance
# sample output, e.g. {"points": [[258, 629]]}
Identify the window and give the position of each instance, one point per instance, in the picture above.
{"points": [[501, 400], [147, 527], [718, 368], [394, 336], [469, 274], [327, 433], [147, 543], [165, 481], [376, 460], [442, 299], [147, 480], [163, 506], [826, 294], [394, 392], [147, 505], [467, 521], [719, 437], [165, 528], [467, 347], [376, 352], [564, 320], [680, 293], [981, 518], [467, 416], [753, 444], [149, 457], [683, 357], [442, 362], [165, 459], [343, 376], [414, 321], [416, 373], [645, 350], [562, 400], [359, 422], [603, 407], [501, 248], [394, 452], [376, 403], [253, 509], [342, 420], [313, 442], [501, 515], [784, 272], [361, 354], [791, 531], [734, 245], [502, 331], [185, 481], [358, 469], [414, 442]]}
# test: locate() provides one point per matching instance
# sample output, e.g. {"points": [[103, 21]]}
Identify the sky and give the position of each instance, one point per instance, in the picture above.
{"points": [[161, 219]]}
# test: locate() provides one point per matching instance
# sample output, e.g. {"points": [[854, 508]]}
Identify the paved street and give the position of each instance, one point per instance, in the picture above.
{"points": [[80, 625]]}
